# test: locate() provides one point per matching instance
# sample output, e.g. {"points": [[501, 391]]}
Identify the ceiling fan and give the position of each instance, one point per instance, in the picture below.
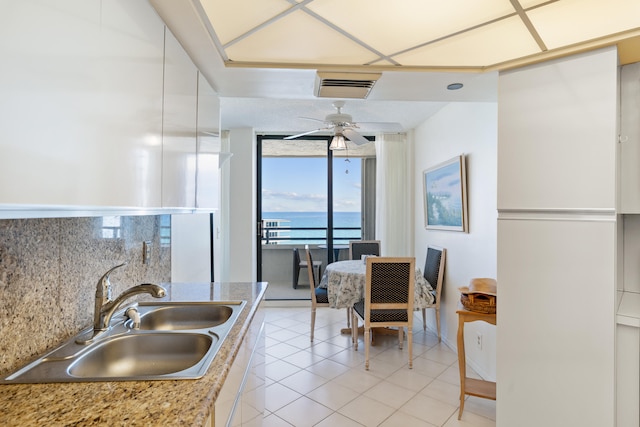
{"points": [[343, 125]]}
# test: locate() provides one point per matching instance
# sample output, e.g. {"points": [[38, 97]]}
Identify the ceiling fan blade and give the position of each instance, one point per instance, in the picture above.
{"points": [[381, 126], [303, 134], [209, 133], [355, 137], [311, 118]]}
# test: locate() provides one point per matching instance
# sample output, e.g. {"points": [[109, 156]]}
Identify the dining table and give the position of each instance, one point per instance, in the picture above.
{"points": [[345, 282]]}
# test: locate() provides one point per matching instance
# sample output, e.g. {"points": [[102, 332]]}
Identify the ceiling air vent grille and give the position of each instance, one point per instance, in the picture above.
{"points": [[345, 85]]}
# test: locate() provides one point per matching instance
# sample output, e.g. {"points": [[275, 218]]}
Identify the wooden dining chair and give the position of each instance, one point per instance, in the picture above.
{"points": [[319, 296], [302, 263], [434, 274], [388, 301], [357, 248]]}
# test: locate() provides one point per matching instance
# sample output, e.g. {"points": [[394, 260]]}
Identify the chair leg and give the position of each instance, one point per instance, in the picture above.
{"points": [[410, 344], [424, 320], [296, 273], [313, 321], [400, 337], [367, 332], [348, 317], [438, 324], [354, 331]]}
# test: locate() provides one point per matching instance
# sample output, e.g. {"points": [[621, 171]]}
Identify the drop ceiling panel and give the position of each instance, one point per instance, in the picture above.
{"points": [[394, 26], [416, 33], [568, 22], [231, 19], [299, 38], [526, 4], [495, 43]]}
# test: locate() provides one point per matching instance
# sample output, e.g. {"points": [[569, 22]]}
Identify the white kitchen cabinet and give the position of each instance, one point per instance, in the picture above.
{"points": [[630, 138], [570, 130], [241, 401], [100, 111], [179, 126], [557, 240], [81, 103]]}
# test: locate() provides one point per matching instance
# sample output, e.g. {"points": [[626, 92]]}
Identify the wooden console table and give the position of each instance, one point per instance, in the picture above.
{"points": [[472, 386]]}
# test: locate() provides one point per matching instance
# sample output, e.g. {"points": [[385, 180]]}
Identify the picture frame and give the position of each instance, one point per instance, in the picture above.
{"points": [[445, 195]]}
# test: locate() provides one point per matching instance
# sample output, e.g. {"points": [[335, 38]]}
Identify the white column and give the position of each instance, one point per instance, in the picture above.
{"points": [[238, 223]]}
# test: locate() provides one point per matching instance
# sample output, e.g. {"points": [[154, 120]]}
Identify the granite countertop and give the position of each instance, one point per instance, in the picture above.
{"points": [[137, 403]]}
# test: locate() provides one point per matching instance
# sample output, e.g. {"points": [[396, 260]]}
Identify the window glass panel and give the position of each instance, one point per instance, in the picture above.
{"points": [[294, 200], [347, 187]]}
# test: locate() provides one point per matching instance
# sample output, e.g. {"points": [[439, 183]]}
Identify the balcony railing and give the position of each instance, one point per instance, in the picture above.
{"points": [[271, 235]]}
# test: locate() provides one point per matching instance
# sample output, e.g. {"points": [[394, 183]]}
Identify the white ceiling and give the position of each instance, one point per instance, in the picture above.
{"points": [[399, 97], [261, 56]]}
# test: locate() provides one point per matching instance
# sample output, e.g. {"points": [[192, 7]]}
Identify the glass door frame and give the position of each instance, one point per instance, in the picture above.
{"points": [[327, 138], [259, 140]]}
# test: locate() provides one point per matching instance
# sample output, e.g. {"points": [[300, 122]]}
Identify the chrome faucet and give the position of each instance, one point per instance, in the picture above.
{"points": [[105, 307]]}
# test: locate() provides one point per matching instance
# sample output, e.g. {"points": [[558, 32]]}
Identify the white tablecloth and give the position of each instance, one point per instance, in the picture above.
{"points": [[345, 282]]}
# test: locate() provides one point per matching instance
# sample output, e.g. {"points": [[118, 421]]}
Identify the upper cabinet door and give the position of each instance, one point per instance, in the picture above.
{"points": [[81, 85], [630, 139], [179, 126], [47, 103], [208, 181], [557, 134], [127, 150]]}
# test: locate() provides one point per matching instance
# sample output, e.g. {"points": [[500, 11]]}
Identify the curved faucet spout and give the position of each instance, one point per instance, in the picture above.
{"points": [[103, 293], [105, 311], [109, 308]]}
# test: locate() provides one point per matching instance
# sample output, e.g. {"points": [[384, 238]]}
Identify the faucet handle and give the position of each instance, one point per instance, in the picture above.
{"points": [[132, 314]]}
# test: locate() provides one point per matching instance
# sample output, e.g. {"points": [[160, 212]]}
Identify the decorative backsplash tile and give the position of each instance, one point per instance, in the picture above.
{"points": [[49, 269]]}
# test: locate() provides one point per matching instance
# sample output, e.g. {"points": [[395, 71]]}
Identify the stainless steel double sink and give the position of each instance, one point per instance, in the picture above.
{"points": [[175, 340]]}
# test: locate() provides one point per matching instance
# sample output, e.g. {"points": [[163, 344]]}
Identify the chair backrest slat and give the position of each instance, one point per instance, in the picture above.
{"points": [[434, 268]]}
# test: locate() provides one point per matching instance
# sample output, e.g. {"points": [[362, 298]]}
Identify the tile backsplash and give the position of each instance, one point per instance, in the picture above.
{"points": [[49, 269]]}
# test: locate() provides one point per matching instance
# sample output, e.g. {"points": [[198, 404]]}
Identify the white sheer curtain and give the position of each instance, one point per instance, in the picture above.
{"points": [[394, 190]]}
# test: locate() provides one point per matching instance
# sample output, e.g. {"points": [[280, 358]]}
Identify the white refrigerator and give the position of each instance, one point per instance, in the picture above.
{"points": [[193, 247]]}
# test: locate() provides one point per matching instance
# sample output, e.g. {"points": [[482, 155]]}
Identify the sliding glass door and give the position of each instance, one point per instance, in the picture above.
{"points": [[307, 195]]}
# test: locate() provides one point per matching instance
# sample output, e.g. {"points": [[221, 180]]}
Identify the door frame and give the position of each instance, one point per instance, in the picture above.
{"points": [[327, 138], [259, 140]]}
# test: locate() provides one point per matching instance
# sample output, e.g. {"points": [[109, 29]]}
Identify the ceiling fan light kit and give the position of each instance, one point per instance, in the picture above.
{"points": [[338, 143]]}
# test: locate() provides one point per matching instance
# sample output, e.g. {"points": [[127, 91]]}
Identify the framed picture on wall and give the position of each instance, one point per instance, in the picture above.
{"points": [[445, 196]]}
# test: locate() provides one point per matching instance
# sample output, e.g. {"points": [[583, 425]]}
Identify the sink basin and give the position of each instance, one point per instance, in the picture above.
{"points": [[142, 355], [184, 317], [175, 341]]}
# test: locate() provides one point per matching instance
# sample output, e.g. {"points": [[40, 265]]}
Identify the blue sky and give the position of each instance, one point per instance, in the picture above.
{"points": [[299, 184]]}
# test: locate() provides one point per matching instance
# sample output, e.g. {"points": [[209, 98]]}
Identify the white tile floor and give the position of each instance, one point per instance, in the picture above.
{"points": [[324, 383]]}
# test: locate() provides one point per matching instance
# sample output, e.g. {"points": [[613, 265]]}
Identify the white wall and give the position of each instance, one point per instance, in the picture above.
{"points": [[470, 129], [240, 222]]}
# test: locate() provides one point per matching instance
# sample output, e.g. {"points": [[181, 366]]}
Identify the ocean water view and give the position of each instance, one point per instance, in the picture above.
{"points": [[287, 220]]}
